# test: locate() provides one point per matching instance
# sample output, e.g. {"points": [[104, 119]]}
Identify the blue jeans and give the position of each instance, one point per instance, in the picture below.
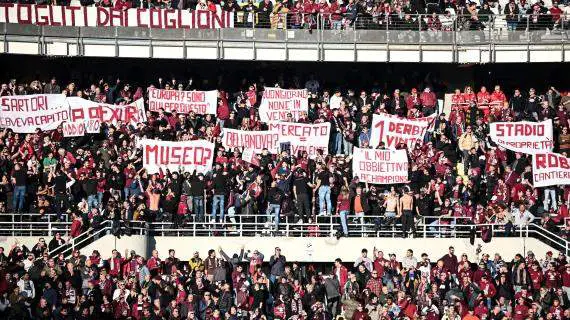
{"points": [[198, 207], [275, 209], [512, 26], [218, 202], [325, 196], [343, 223], [338, 143], [336, 24], [100, 198], [92, 201], [19, 197], [272, 278], [347, 147]]}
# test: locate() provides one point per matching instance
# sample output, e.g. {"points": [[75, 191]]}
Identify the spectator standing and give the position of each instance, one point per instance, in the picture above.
{"points": [[19, 180], [277, 264]]}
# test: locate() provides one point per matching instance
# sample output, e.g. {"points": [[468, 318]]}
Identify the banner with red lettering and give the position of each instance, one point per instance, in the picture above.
{"points": [[380, 166], [255, 140], [47, 15], [393, 130], [312, 138], [277, 103], [523, 136], [550, 169], [175, 155], [25, 114], [201, 102], [74, 129], [92, 114]]}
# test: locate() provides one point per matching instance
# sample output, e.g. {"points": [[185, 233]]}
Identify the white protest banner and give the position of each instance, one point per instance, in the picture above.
{"points": [[255, 140], [250, 156], [380, 166], [200, 102], [92, 114], [393, 130], [277, 103], [303, 137], [172, 155], [155, 18], [523, 136], [24, 114], [74, 129], [550, 169]]}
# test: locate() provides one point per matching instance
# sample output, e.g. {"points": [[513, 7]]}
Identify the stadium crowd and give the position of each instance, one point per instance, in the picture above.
{"points": [[249, 285], [457, 176], [381, 14]]}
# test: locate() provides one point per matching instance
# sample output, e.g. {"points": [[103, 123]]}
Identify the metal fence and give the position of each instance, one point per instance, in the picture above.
{"points": [[263, 226], [400, 21], [318, 28]]}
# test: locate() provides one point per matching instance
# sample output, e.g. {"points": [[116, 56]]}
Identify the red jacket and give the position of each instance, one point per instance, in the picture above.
{"points": [[457, 101], [428, 99], [69, 156], [536, 277], [224, 109], [343, 276], [76, 228], [115, 266], [153, 263], [520, 312], [552, 279], [378, 265], [336, 11], [412, 101], [323, 8], [309, 7], [469, 97], [483, 97], [488, 288], [498, 97]]}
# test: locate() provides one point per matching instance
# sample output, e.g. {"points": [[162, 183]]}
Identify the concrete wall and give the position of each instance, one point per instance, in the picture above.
{"points": [[304, 249]]}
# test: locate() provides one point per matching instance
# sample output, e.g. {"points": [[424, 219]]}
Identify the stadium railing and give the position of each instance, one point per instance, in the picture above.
{"points": [[258, 225], [456, 29]]}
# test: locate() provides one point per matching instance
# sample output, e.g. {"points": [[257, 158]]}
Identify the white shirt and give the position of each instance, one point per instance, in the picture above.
{"points": [[31, 290], [28, 264], [522, 219], [408, 262], [367, 263], [335, 102]]}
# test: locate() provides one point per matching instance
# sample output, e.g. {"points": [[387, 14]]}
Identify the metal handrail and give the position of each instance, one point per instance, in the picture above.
{"points": [[85, 236], [316, 229], [29, 216], [496, 36], [241, 220], [322, 22]]}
